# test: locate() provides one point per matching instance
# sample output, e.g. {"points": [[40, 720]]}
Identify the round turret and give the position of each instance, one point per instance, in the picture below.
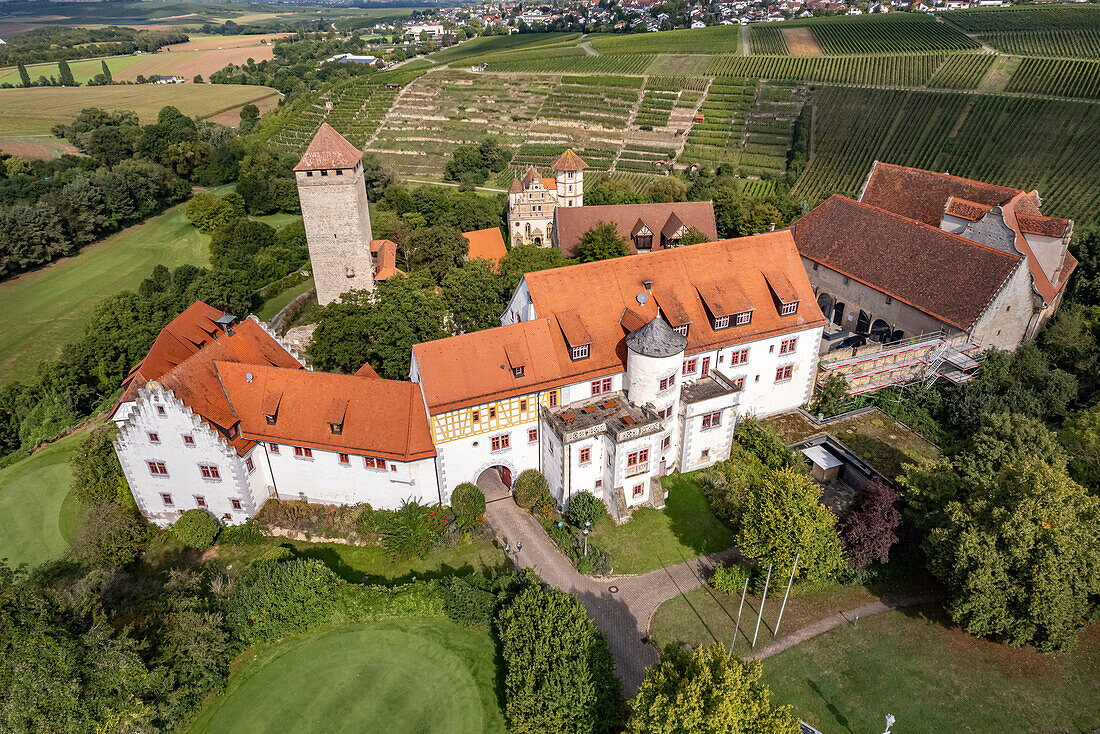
{"points": [[655, 353]]}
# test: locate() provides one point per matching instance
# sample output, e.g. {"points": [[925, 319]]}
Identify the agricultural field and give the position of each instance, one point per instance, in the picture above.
{"points": [[1072, 17], [83, 71], [1058, 77], [721, 39], [574, 61], [36, 147], [189, 63], [800, 42], [1026, 143], [765, 38], [962, 71], [893, 71], [1050, 42], [896, 33], [36, 110], [488, 46]]}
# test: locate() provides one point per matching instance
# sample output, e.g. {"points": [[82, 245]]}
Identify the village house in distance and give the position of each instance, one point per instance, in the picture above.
{"points": [[646, 375]]}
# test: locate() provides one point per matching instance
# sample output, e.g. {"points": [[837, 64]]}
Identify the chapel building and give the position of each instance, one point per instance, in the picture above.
{"points": [[533, 199]]}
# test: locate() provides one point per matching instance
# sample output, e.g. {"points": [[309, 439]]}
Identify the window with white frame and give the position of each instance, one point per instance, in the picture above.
{"points": [[157, 468], [743, 318], [166, 499], [235, 504], [200, 501], [668, 382], [639, 490], [789, 309], [739, 356], [501, 442], [188, 439], [690, 365], [787, 345], [249, 464], [532, 435], [154, 438], [209, 471], [273, 448], [721, 322], [580, 352], [585, 455], [712, 420], [682, 329], [783, 374]]}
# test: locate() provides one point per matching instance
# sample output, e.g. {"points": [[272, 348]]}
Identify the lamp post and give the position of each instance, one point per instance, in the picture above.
{"points": [[889, 722], [587, 525]]}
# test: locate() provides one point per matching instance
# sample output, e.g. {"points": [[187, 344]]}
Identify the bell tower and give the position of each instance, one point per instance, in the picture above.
{"points": [[336, 215], [568, 171]]}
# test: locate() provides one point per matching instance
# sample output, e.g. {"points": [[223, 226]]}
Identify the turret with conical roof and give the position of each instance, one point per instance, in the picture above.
{"points": [[335, 214], [654, 358], [568, 169]]}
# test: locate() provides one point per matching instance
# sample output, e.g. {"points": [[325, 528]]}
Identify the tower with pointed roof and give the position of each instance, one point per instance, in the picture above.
{"points": [[533, 199], [336, 215]]}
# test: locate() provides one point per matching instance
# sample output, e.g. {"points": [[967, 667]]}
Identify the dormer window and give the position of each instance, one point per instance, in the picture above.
{"points": [[576, 333], [271, 407], [270, 418], [336, 428], [682, 329], [789, 309], [743, 318], [579, 352], [517, 372], [643, 242], [721, 322]]}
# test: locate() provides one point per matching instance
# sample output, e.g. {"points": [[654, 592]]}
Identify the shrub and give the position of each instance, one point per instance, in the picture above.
{"points": [[276, 554], [729, 579], [413, 530], [558, 674], [97, 475], [869, 531], [469, 600], [274, 599], [109, 536], [196, 528], [467, 501], [585, 506], [247, 533], [531, 488]]}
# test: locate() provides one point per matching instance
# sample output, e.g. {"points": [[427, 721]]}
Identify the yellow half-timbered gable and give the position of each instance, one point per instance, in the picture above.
{"points": [[491, 417]]}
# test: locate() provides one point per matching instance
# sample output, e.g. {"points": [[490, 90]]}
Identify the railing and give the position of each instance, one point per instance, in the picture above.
{"points": [[637, 469], [875, 347]]}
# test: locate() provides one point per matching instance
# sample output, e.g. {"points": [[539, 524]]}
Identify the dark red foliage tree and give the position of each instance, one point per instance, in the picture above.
{"points": [[869, 531]]}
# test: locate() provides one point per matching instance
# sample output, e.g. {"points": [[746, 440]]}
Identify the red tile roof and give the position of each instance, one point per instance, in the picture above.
{"points": [[922, 195], [969, 210], [182, 337], [568, 161], [328, 150], [367, 371], [573, 222], [471, 369], [944, 275], [486, 244], [1024, 206], [195, 381], [1040, 225], [385, 259], [383, 418]]}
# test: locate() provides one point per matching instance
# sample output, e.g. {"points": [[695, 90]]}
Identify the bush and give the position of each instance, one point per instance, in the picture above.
{"points": [[585, 506], [109, 536], [729, 579], [274, 599], [196, 528], [277, 554], [531, 488], [97, 475], [469, 600], [558, 673], [247, 533], [413, 530], [467, 501]]}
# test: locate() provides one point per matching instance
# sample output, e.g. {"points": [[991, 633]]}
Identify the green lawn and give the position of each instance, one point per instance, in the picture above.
{"points": [[45, 309], [935, 678], [276, 304], [653, 539], [399, 676], [37, 516], [83, 71], [704, 616]]}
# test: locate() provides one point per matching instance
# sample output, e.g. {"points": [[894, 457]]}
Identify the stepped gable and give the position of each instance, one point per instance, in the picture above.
{"points": [[568, 161], [942, 274], [1025, 206], [329, 150], [599, 302], [1040, 225], [196, 382], [922, 195], [573, 222], [383, 418], [180, 339]]}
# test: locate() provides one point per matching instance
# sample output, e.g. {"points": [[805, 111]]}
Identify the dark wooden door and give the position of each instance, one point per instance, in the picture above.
{"points": [[506, 476]]}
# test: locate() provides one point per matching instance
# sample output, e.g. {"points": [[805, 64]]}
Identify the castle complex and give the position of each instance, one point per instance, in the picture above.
{"points": [[533, 200], [603, 376]]}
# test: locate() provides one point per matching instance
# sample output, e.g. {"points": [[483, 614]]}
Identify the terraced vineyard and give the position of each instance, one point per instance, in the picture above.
{"points": [[1049, 42], [1059, 77], [540, 156], [656, 108], [962, 71], [766, 39], [901, 33], [1020, 142], [641, 158], [894, 71], [768, 130], [591, 103], [716, 136], [576, 61], [713, 40]]}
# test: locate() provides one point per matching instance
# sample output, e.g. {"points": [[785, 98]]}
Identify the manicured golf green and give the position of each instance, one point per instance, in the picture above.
{"points": [[45, 309], [37, 517], [428, 676]]}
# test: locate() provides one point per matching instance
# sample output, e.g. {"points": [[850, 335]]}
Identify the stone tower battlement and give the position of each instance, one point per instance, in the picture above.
{"points": [[336, 215]]}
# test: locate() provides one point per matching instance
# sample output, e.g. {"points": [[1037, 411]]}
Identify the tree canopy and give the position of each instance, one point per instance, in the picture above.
{"points": [[602, 242]]}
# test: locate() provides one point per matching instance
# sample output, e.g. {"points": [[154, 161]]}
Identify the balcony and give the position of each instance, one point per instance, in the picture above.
{"points": [[633, 471]]}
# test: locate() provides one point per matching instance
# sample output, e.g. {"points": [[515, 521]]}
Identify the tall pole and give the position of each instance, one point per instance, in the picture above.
{"points": [[741, 606], [789, 582], [760, 614]]}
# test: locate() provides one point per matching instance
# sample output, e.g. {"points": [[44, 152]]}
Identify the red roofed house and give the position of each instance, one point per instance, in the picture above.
{"points": [[924, 253], [336, 215], [533, 200], [221, 416], [486, 244], [644, 374]]}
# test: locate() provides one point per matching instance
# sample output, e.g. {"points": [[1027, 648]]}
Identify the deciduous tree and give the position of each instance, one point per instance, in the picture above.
{"points": [[602, 242], [869, 530]]}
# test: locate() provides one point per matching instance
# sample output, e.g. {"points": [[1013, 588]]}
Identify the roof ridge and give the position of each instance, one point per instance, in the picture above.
{"points": [[919, 223], [948, 175]]}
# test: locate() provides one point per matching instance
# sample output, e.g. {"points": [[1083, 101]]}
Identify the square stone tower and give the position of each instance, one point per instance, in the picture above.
{"points": [[568, 169], [336, 215]]}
